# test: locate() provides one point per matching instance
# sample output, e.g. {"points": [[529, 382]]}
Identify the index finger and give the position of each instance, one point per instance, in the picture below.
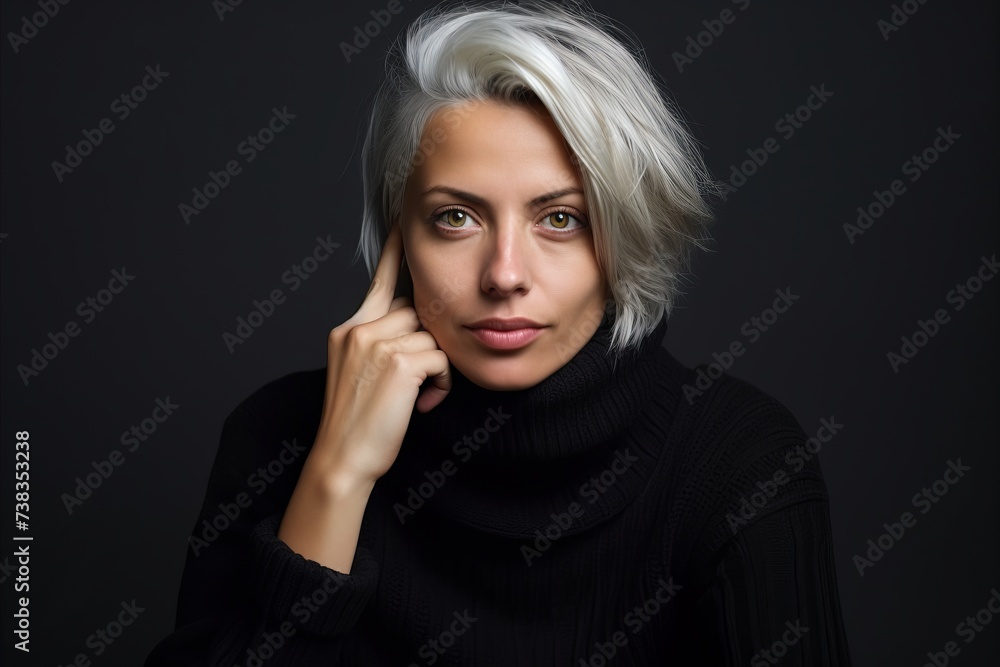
{"points": [[380, 292]]}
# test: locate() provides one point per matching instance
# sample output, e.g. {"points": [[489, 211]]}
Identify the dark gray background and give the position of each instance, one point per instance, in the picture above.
{"points": [[162, 336]]}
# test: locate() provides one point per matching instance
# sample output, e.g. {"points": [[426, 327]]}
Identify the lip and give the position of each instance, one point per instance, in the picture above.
{"points": [[509, 334], [500, 324]]}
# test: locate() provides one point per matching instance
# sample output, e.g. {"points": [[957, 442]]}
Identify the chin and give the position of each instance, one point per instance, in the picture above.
{"points": [[498, 373]]}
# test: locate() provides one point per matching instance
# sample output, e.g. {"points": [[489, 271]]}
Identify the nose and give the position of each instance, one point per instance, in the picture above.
{"points": [[506, 265]]}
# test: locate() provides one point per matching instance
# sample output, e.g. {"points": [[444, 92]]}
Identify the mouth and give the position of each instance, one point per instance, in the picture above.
{"points": [[509, 334]]}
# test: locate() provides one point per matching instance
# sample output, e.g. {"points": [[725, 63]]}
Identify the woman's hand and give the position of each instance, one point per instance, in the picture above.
{"points": [[377, 361]]}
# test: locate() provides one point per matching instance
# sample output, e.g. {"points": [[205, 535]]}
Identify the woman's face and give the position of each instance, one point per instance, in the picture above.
{"points": [[495, 226]]}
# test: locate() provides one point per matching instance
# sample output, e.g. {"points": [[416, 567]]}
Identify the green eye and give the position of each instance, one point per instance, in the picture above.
{"points": [[455, 217], [563, 220], [560, 219]]}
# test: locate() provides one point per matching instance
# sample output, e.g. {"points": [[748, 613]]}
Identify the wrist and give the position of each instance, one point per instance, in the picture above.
{"points": [[335, 482]]}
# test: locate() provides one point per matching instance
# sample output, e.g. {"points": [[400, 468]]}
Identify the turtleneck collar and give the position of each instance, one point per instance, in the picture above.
{"points": [[587, 401], [520, 455]]}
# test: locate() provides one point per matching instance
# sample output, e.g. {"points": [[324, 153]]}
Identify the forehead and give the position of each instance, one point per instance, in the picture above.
{"points": [[490, 137]]}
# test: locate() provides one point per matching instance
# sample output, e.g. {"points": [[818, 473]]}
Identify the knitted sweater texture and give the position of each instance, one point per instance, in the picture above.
{"points": [[624, 511]]}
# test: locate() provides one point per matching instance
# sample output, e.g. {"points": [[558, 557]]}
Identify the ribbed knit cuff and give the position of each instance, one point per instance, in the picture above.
{"points": [[313, 597]]}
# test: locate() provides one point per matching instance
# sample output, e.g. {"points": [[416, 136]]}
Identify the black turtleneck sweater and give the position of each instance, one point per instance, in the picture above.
{"points": [[609, 515]]}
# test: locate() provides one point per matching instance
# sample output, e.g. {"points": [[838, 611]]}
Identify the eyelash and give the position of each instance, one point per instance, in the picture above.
{"points": [[559, 209]]}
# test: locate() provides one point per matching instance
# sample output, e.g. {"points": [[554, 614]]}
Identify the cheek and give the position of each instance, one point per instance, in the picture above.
{"points": [[435, 292], [418, 267], [424, 274], [574, 280]]}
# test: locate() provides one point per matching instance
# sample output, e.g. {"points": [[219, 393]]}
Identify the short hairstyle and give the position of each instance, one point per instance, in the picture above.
{"points": [[643, 175]]}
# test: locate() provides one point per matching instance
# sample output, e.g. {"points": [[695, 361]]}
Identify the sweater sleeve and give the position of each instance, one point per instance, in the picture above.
{"points": [[244, 592], [774, 595]]}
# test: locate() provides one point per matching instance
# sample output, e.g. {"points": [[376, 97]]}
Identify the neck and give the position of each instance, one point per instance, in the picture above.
{"points": [[516, 453]]}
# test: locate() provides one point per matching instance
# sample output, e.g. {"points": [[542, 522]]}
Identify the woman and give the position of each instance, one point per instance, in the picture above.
{"points": [[556, 497]]}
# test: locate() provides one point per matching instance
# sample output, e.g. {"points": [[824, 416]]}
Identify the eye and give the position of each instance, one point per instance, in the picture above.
{"points": [[455, 219], [452, 219], [562, 219]]}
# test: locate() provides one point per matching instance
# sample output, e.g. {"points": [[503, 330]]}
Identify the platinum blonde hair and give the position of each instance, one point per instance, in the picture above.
{"points": [[643, 175]]}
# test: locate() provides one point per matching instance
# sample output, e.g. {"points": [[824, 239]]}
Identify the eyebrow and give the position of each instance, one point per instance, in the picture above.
{"points": [[476, 199]]}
